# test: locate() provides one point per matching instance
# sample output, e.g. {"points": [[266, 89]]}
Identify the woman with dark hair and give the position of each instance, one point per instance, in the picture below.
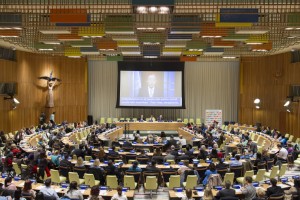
{"points": [[95, 191], [27, 190], [17, 195], [73, 192], [211, 170], [8, 184]]}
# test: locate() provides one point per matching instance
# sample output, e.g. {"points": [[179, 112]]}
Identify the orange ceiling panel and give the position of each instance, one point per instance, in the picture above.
{"points": [[107, 44], [266, 46], [68, 15], [188, 58], [210, 29], [10, 33], [221, 43]]}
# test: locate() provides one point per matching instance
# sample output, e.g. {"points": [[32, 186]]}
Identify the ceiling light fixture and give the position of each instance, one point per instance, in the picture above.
{"points": [[150, 56], [288, 110], [257, 107], [229, 57], [45, 49], [256, 101], [287, 103]]}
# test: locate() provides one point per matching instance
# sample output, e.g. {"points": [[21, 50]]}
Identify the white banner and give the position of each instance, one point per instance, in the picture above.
{"points": [[213, 115]]}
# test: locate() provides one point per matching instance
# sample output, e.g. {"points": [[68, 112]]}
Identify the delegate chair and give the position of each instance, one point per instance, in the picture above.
{"points": [[151, 184], [137, 177], [89, 179], [185, 120], [174, 181], [229, 177], [198, 121], [112, 181], [282, 170], [166, 176], [17, 169], [109, 120], [259, 176], [191, 182], [273, 173], [73, 176], [129, 182], [191, 120], [80, 171], [102, 120], [55, 178], [247, 173]]}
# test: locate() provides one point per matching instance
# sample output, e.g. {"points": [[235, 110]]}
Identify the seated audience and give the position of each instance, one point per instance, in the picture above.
{"points": [[135, 167], [261, 194], [152, 167], [248, 190], [169, 156], [27, 190], [203, 153], [281, 155], [112, 152], [174, 152], [65, 162], [94, 195], [55, 158], [8, 185], [211, 170], [115, 143], [182, 142], [274, 189], [48, 191], [142, 154], [221, 164], [119, 195], [79, 152], [236, 162], [73, 192], [79, 162], [226, 192], [127, 144], [157, 152], [208, 194]]}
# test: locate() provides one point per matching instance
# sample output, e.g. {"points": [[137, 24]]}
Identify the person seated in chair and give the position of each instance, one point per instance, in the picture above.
{"points": [[112, 152], [226, 192], [274, 189], [119, 195], [236, 162], [48, 191], [135, 167], [127, 144]]}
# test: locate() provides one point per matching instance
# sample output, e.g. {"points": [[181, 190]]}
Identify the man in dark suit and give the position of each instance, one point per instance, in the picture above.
{"points": [[151, 89], [227, 192], [274, 189]]}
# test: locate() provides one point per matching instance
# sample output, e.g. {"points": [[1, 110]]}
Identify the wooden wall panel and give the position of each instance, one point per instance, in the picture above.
{"points": [[70, 97], [268, 78]]}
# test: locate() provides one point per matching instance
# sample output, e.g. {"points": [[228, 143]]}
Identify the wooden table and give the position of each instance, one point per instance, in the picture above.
{"points": [[178, 195], [61, 191], [151, 126]]}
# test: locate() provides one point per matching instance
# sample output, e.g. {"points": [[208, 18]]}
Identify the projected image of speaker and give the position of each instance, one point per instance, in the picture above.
{"points": [[155, 85]]}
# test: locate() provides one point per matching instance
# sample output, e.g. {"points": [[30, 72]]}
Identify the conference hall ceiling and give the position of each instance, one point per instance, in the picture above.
{"points": [[186, 30]]}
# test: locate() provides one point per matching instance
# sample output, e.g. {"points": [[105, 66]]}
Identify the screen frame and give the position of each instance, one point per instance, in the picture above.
{"points": [[151, 66]]}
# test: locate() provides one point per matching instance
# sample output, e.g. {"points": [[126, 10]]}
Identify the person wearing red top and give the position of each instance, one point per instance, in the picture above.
{"points": [[15, 150]]}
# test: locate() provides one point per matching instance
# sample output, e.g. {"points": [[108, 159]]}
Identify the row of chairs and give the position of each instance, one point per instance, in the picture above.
{"points": [[110, 120]]}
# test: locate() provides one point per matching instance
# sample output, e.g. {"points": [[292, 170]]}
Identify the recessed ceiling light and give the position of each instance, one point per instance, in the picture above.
{"points": [[150, 57], [45, 49], [254, 43], [289, 28], [229, 57], [142, 9], [257, 107], [153, 9]]}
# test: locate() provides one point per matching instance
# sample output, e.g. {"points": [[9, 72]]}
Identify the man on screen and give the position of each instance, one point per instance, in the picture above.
{"points": [[151, 89]]}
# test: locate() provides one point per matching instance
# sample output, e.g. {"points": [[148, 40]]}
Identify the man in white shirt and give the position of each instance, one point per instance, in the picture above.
{"points": [[48, 191], [281, 155], [182, 141], [119, 195]]}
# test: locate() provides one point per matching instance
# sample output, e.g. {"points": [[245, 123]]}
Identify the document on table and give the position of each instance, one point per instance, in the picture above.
{"points": [[201, 194], [103, 192], [179, 194]]}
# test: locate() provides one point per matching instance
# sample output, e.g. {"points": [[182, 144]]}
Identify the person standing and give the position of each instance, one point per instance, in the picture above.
{"points": [[42, 118], [52, 117]]}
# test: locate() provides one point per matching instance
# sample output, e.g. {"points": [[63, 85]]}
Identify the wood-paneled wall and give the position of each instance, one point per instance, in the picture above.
{"points": [[268, 78], [70, 97]]}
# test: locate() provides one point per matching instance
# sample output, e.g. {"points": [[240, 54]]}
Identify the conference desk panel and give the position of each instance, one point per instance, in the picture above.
{"points": [[151, 126]]}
